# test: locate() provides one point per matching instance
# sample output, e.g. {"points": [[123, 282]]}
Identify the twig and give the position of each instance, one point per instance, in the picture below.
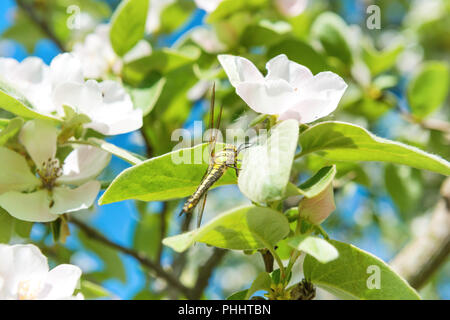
{"points": [[428, 124], [29, 11], [204, 273], [159, 271], [162, 230], [418, 261]]}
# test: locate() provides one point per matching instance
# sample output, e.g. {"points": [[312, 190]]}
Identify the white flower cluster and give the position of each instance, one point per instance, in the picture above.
{"points": [[289, 8], [39, 185], [50, 88], [98, 58], [25, 275]]}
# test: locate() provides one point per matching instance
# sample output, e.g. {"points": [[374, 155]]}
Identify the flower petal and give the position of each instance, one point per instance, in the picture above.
{"points": [[239, 69], [280, 67], [96, 54], [291, 8], [208, 5], [116, 114], [39, 139], [270, 97], [320, 96], [68, 200], [18, 176], [33, 206], [62, 281], [82, 97], [20, 263], [7, 66], [65, 67], [31, 70], [83, 164]]}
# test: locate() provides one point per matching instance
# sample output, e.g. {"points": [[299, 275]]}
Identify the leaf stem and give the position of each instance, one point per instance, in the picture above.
{"points": [[277, 259]]}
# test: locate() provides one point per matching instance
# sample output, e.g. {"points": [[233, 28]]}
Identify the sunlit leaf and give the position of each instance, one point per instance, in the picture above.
{"points": [[357, 274], [262, 282], [319, 248], [128, 25], [342, 141], [428, 89], [332, 32], [239, 229], [164, 177], [11, 130], [14, 102]]}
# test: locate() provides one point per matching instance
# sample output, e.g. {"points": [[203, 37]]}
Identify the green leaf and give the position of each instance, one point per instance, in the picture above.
{"points": [[148, 234], [428, 89], [300, 52], [175, 15], [240, 295], [11, 130], [380, 61], [332, 31], [314, 185], [12, 101], [22, 228], [262, 282], [4, 123], [128, 25], [319, 248], [164, 177], [92, 290], [265, 33], [266, 166], [405, 187], [239, 229], [6, 226], [354, 274], [146, 95], [162, 60], [276, 277], [228, 7], [342, 141]]}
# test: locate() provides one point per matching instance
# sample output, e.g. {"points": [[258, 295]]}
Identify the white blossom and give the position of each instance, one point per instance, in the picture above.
{"points": [[207, 39], [25, 275], [289, 89], [98, 57], [208, 5], [49, 88], [291, 8], [54, 189]]}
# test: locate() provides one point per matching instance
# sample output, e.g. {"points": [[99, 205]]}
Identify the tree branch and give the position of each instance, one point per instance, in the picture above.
{"points": [[41, 23], [204, 273], [156, 268], [418, 261]]}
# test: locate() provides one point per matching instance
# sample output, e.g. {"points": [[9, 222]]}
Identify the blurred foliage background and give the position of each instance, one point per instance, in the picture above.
{"points": [[398, 82]]}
